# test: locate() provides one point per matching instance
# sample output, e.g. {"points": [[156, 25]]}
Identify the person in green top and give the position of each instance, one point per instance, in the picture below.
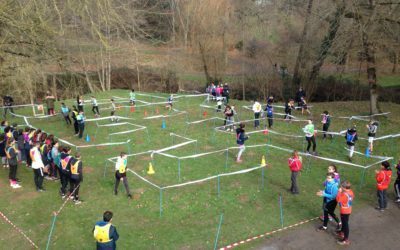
{"points": [[132, 97], [309, 131], [50, 99]]}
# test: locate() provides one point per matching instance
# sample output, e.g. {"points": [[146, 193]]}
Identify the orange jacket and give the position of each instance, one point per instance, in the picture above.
{"points": [[345, 201], [294, 164], [383, 179]]}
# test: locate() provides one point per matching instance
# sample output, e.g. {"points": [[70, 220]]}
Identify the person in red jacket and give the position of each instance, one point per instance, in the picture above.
{"points": [[295, 165], [345, 199], [382, 183]]}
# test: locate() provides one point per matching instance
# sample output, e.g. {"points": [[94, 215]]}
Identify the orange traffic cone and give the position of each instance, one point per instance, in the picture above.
{"points": [[205, 114]]}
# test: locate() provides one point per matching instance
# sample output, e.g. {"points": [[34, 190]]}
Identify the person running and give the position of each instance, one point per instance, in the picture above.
{"points": [[240, 139], [81, 123], [65, 169], [295, 166], [303, 106], [289, 106], [257, 111], [65, 112], [37, 166], [300, 94], [351, 138], [397, 184], [12, 153], [170, 102], [75, 178], [105, 233], [120, 173], [226, 93], [8, 102], [372, 127], [132, 97], [382, 177], [74, 116], [345, 199], [80, 102], [310, 137], [329, 201], [50, 99], [95, 107], [113, 110], [270, 114], [326, 122]]}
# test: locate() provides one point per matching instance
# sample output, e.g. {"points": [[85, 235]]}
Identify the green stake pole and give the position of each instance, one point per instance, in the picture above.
{"points": [[105, 168], [362, 178], [51, 231], [281, 209], [226, 159], [161, 198], [262, 178], [218, 231]]}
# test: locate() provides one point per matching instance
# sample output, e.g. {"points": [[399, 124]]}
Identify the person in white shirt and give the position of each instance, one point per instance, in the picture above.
{"points": [[37, 166], [95, 107], [257, 111]]}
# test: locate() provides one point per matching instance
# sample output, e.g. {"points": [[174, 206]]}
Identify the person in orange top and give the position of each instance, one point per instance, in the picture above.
{"points": [[383, 177], [295, 167], [345, 199]]}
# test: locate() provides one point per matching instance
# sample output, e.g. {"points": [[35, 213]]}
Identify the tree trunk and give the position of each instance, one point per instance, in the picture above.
{"points": [[327, 42], [296, 74], [203, 58], [395, 61]]}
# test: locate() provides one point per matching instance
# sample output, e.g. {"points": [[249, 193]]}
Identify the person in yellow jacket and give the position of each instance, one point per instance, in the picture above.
{"points": [[76, 177], [120, 173], [105, 233]]}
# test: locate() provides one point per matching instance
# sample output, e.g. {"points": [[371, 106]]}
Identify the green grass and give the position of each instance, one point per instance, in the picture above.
{"points": [[191, 213], [384, 81]]}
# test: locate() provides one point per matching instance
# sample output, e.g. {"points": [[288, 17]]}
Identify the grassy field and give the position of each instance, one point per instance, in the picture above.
{"points": [[190, 214]]}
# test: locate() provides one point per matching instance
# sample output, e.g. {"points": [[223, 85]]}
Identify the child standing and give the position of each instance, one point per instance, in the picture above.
{"points": [[240, 139], [351, 138], [326, 122], [80, 102], [95, 107], [382, 177], [76, 178], [372, 127], [75, 114], [132, 97], [120, 173], [304, 107], [257, 111], [329, 201], [270, 113], [37, 166], [64, 170], [345, 199], [397, 184], [113, 109], [11, 153], [81, 123], [65, 112], [229, 118], [295, 166], [170, 101], [309, 132]]}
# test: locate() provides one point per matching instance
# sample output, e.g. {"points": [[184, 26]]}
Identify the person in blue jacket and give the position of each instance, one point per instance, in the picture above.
{"points": [[105, 233], [329, 201], [240, 139]]}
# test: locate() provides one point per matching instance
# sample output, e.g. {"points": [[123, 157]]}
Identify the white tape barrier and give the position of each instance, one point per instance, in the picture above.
{"points": [[371, 156], [108, 118], [194, 95], [164, 116], [104, 144], [274, 132], [134, 154], [166, 155], [204, 120], [143, 179], [362, 116], [33, 117], [183, 137], [18, 106], [127, 132], [154, 96], [112, 124], [262, 112], [214, 177], [172, 147]]}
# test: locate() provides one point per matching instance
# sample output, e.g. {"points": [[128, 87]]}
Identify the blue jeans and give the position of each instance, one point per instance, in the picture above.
{"points": [[382, 201]]}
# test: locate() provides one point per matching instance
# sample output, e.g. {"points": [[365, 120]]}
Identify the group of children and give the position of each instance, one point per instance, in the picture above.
{"points": [[41, 152]]}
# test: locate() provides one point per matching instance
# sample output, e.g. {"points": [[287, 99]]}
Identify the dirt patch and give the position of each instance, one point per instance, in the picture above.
{"points": [[87, 170], [139, 191], [243, 198], [23, 195], [136, 196]]}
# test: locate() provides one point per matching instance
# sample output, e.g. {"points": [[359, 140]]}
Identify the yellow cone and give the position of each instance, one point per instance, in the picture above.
{"points": [[151, 169], [263, 163]]}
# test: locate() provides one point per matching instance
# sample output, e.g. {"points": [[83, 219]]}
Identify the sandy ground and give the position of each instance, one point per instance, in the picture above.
{"points": [[369, 229]]}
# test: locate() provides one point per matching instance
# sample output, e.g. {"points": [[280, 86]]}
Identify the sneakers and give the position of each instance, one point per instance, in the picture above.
{"points": [[343, 242], [339, 227], [129, 196], [380, 209], [340, 235], [322, 229], [15, 185], [77, 202], [398, 200]]}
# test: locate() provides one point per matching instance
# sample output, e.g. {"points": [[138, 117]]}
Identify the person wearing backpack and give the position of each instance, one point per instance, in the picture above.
{"points": [[74, 116], [382, 178], [105, 233], [12, 153], [65, 167], [345, 198], [351, 138], [295, 166], [270, 113], [372, 127], [326, 122], [76, 178], [240, 139]]}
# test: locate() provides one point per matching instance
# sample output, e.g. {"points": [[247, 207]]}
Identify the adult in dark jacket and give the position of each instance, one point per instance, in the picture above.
{"points": [[105, 233]]}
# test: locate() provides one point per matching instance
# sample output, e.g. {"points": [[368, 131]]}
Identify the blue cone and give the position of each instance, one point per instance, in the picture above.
{"points": [[87, 138], [163, 125], [367, 153]]}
